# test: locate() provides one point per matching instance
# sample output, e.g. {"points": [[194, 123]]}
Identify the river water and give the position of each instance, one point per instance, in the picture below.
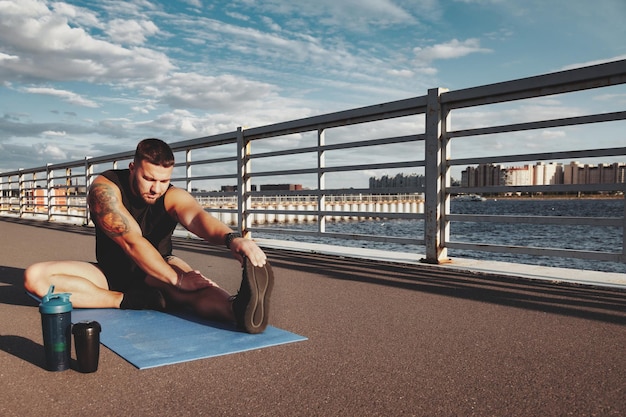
{"points": [[580, 237]]}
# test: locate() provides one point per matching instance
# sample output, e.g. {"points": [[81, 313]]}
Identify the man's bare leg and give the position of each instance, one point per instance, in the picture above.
{"points": [[212, 302], [86, 283], [249, 308]]}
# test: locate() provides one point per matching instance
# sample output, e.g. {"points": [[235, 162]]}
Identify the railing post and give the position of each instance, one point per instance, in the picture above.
{"points": [[49, 198], [2, 199], [68, 189], [243, 182], [188, 170], [436, 230], [22, 193], [88, 181], [321, 180], [624, 226]]}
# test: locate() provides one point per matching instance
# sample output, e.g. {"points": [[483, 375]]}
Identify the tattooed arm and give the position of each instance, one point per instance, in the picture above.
{"points": [[108, 212]]}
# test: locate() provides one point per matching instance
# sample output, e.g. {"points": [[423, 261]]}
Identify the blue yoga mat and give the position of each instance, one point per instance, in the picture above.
{"points": [[148, 339]]}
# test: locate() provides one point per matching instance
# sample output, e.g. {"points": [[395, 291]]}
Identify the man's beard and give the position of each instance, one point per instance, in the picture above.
{"points": [[135, 190]]}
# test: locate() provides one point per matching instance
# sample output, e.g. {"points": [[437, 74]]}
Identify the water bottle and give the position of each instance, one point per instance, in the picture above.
{"points": [[87, 344], [56, 324]]}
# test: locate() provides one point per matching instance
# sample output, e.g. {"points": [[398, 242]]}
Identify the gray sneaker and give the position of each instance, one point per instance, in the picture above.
{"points": [[252, 302]]}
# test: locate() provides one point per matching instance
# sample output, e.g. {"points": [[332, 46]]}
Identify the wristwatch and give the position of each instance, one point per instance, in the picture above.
{"points": [[229, 237]]}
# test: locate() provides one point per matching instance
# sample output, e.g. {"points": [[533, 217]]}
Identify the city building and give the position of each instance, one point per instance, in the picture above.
{"points": [[485, 175], [281, 187], [398, 181], [518, 176]]}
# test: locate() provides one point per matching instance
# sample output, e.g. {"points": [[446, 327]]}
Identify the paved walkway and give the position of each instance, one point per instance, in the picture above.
{"points": [[385, 339]]}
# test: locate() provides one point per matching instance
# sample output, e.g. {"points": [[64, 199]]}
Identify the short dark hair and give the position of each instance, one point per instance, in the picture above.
{"points": [[154, 151]]}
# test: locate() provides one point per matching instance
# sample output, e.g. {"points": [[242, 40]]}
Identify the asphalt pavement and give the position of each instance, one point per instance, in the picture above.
{"points": [[384, 339]]}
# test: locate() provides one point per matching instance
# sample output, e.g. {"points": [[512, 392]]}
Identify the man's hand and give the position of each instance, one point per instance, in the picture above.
{"points": [[241, 247], [193, 281]]}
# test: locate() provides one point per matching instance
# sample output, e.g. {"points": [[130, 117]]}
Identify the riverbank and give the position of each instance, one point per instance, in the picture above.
{"points": [[557, 197]]}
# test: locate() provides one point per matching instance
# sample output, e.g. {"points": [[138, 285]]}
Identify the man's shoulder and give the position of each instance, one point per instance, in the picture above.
{"points": [[110, 179], [176, 197], [115, 173], [116, 176], [174, 192]]}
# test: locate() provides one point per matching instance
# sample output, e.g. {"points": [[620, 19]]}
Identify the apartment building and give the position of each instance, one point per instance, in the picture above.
{"points": [[541, 173]]}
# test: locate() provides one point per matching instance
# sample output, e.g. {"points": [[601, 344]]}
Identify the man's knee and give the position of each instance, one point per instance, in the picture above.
{"points": [[35, 279]]}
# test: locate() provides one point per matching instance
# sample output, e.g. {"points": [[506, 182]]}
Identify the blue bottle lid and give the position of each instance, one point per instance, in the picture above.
{"points": [[55, 303]]}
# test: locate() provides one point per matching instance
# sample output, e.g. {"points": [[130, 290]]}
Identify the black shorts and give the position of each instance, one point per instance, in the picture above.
{"points": [[123, 280]]}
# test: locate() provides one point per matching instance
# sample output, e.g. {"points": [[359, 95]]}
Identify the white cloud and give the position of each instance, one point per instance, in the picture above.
{"points": [[131, 32], [271, 24], [312, 60], [27, 8], [54, 133], [144, 108], [194, 3], [400, 73], [65, 95], [7, 58], [449, 50], [80, 15], [48, 48], [50, 151], [354, 15], [238, 16], [191, 90]]}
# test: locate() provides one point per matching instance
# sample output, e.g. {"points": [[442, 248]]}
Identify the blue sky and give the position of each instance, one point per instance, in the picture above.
{"points": [[90, 78]]}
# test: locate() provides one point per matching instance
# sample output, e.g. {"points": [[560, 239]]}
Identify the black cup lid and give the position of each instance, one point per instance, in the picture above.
{"points": [[86, 327]]}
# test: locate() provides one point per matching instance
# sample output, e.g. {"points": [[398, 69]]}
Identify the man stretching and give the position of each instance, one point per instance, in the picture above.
{"points": [[135, 212]]}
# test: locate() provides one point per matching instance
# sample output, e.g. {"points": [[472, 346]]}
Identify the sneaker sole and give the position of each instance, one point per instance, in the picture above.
{"points": [[261, 282]]}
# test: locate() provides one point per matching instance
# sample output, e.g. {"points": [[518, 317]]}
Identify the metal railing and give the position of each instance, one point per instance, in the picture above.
{"points": [[302, 149]]}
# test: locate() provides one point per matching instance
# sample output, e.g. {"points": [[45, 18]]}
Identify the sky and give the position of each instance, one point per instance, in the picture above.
{"points": [[85, 78]]}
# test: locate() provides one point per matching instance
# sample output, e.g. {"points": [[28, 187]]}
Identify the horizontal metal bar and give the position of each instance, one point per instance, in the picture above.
{"points": [[205, 177], [388, 165], [556, 220], [221, 209], [205, 141], [98, 160], [340, 213], [348, 236], [394, 109], [385, 165], [352, 192], [595, 76], [207, 161], [340, 146], [569, 121], [214, 194]]}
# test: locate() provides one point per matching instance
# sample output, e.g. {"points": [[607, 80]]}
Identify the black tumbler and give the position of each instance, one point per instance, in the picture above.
{"points": [[87, 345]]}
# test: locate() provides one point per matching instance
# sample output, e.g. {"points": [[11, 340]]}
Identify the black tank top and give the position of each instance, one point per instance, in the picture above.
{"points": [[156, 226]]}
